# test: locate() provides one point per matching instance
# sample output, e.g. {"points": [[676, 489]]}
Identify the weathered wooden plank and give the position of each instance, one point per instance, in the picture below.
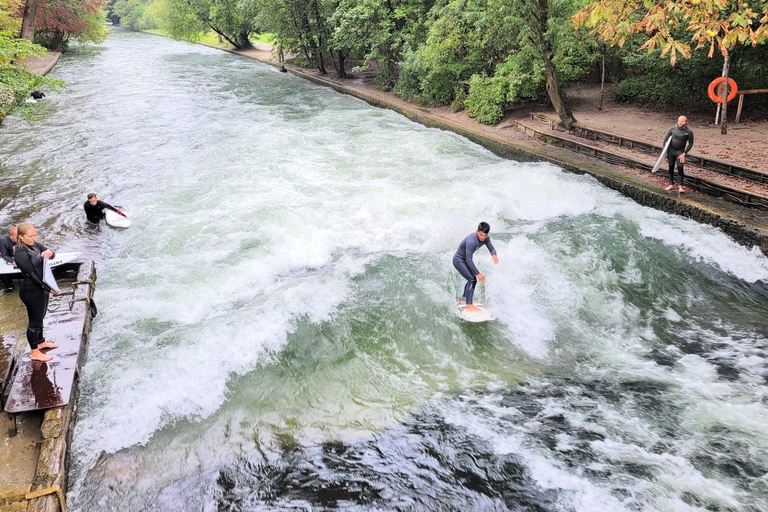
{"points": [[652, 149], [7, 352], [736, 196], [41, 385]]}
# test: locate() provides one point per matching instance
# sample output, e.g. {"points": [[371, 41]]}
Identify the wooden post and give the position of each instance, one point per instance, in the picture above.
{"points": [[11, 424], [738, 110]]}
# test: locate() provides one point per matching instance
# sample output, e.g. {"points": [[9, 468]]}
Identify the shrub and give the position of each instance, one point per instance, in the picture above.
{"points": [[485, 101]]}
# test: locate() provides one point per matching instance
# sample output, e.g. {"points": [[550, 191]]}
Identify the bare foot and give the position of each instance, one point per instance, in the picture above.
{"points": [[473, 308], [681, 189], [462, 302], [36, 355], [47, 344], [670, 187]]}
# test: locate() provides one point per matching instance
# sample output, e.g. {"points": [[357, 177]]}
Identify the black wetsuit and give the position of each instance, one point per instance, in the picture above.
{"points": [[680, 137], [6, 250], [34, 292], [462, 260], [96, 212]]}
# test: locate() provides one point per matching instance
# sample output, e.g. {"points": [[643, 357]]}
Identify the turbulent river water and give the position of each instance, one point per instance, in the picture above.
{"points": [[276, 330]]}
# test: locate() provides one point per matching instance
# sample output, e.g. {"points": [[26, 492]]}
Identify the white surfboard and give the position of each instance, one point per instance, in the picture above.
{"points": [[662, 156], [484, 315], [48, 276], [115, 220], [60, 259]]}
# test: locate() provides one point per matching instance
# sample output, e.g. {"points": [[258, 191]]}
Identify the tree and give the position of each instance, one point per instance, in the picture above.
{"points": [[674, 26], [29, 20], [299, 26], [189, 19], [381, 31], [540, 16], [59, 20]]}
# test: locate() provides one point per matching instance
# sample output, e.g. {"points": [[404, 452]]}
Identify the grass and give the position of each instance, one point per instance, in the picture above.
{"points": [[212, 38]]}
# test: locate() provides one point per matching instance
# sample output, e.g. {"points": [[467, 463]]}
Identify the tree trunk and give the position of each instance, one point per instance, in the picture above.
{"points": [[28, 20], [726, 90], [538, 12], [602, 83], [341, 72], [321, 62], [244, 41], [553, 91]]}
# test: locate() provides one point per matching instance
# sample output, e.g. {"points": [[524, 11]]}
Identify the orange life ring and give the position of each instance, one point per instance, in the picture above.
{"points": [[717, 81]]}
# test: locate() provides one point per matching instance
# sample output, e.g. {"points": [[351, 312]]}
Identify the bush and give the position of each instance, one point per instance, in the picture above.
{"points": [[408, 84], [459, 97], [485, 101], [439, 86]]}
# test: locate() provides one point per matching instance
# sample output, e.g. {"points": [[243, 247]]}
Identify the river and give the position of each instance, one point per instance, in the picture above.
{"points": [[276, 330]]}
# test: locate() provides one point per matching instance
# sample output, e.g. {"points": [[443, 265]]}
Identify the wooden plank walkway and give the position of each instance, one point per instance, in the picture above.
{"points": [[46, 385], [731, 194], [710, 164]]}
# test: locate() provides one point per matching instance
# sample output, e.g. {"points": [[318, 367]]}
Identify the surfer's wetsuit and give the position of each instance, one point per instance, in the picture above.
{"points": [[34, 292], [462, 260], [96, 212], [676, 148]]}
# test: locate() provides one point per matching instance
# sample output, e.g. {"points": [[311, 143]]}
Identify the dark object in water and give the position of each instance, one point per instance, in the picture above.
{"points": [[37, 95]]}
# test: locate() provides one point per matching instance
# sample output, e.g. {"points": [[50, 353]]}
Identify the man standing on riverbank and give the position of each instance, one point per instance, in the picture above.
{"points": [[680, 145], [6, 250], [94, 209]]}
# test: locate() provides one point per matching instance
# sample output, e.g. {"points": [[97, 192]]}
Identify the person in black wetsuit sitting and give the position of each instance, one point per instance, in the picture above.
{"points": [[681, 144], [34, 293], [94, 209], [462, 261]]}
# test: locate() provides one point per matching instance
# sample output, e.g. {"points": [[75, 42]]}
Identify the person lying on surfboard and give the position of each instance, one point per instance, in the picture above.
{"points": [[462, 260], [94, 209]]}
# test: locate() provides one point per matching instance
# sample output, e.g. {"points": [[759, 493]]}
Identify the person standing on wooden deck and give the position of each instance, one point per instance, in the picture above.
{"points": [[6, 250], [681, 144], [34, 293]]}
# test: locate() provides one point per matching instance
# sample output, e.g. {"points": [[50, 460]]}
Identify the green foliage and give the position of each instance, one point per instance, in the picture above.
{"points": [[299, 26], [191, 19], [459, 97], [10, 19], [15, 86], [485, 101], [134, 13], [379, 31], [464, 37]]}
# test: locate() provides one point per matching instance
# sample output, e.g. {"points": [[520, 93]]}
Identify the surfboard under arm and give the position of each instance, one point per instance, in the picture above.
{"points": [[662, 156]]}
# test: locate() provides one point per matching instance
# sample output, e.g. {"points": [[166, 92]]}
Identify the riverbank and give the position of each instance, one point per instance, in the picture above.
{"points": [[42, 64], [747, 226]]}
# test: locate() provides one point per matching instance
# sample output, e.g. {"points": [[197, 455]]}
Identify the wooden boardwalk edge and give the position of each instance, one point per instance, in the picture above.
{"points": [[58, 423]]}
